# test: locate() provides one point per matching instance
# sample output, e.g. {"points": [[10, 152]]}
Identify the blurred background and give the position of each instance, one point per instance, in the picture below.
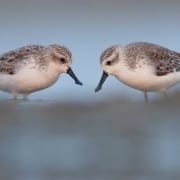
{"points": [[68, 132]]}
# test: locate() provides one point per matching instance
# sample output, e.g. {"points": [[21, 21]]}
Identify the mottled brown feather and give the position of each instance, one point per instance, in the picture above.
{"points": [[10, 60], [165, 61], [107, 53]]}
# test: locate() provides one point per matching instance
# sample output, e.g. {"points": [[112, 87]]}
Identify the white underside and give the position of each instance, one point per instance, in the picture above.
{"points": [[145, 79], [27, 81]]}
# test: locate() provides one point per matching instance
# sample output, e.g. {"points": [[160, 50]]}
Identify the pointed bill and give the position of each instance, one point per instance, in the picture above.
{"points": [[71, 73], [101, 82]]}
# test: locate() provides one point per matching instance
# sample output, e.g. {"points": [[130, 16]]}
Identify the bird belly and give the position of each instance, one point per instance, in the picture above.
{"points": [[148, 81], [26, 81]]}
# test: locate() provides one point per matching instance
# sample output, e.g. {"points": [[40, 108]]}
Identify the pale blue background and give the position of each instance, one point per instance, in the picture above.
{"points": [[87, 28]]}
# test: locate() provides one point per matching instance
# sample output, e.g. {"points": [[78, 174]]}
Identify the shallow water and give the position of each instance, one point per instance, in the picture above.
{"points": [[111, 139]]}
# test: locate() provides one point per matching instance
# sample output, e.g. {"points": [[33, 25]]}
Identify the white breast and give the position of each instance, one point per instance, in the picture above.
{"points": [[27, 80], [144, 78]]}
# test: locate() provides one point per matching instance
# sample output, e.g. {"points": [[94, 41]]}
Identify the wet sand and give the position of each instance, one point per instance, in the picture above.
{"points": [[107, 140]]}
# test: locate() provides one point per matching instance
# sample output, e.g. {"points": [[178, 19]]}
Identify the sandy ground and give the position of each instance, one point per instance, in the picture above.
{"points": [[107, 140]]}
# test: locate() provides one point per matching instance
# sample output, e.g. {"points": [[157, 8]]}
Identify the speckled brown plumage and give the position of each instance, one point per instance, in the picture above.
{"points": [[9, 60], [107, 53], [12, 59], [62, 50], [165, 61]]}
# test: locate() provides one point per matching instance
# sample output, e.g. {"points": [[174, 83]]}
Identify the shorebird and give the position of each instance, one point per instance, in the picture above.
{"points": [[144, 66], [32, 68]]}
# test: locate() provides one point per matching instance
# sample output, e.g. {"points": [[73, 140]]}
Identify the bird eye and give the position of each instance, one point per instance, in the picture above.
{"points": [[63, 60], [108, 63]]}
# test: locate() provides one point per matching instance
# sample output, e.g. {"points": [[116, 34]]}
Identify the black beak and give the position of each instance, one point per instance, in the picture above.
{"points": [[71, 73], [101, 82]]}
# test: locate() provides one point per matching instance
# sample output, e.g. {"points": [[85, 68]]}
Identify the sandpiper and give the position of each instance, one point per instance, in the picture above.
{"points": [[32, 68], [144, 66]]}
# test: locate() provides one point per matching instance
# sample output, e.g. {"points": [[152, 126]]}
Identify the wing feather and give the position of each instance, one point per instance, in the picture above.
{"points": [[164, 60], [9, 60]]}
